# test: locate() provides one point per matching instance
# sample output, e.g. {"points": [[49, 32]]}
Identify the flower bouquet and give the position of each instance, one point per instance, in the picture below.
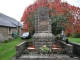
{"points": [[44, 49]]}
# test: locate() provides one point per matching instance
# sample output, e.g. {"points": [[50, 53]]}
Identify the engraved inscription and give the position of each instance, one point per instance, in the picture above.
{"points": [[43, 25]]}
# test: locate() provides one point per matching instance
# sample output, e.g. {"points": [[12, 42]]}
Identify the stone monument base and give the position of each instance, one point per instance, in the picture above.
{"points": [[40, 39]]}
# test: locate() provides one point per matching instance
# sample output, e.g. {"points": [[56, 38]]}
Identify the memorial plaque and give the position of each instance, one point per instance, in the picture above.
{"points": [[43, 26]]}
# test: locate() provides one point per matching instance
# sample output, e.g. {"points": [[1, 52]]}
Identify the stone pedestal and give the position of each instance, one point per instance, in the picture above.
{"points": [[41, 39], [43, 35]]}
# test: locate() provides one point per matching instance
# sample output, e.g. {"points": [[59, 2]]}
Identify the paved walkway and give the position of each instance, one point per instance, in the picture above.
{"points": [[46, 57]]}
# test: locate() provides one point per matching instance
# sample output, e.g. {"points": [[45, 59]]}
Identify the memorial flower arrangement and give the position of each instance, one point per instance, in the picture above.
{"points": [[44, 48]]}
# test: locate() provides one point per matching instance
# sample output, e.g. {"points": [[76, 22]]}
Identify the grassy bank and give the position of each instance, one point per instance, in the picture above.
{"points": [[7, 50], [77, 40]]}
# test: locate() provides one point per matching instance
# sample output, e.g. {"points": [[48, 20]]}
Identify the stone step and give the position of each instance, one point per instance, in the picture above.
{"points": [[44, 57]]}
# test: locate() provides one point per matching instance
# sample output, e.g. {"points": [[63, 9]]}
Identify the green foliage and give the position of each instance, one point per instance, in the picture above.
{"points": [[5, 41], [32, 20], [76, 40], [56, 29], [7, 50], [57, 26], [75, 35], [58, 38], [68, 35], [44, 48], [10, 39]]}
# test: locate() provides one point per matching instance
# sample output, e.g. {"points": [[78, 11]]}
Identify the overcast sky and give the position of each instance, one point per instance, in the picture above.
{"points": [[15, 8]]}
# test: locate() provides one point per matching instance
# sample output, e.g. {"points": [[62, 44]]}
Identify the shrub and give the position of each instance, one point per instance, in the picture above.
{"points": [[58, 38], [5, 41], [68, 35], [75, 35]]}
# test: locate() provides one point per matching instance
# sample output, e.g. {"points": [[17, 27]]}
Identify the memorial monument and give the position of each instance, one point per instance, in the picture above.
{"points": [[43, 35]]}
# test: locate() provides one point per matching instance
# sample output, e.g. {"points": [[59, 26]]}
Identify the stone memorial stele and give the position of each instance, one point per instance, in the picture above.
{"points": [[42, 35]]}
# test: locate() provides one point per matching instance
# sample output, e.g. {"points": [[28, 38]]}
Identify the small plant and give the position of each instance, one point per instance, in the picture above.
{"points": [[5, 41], [45, 49]]}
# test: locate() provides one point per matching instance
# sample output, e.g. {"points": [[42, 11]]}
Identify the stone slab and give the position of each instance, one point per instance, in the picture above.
{"points": [[44, 57]]}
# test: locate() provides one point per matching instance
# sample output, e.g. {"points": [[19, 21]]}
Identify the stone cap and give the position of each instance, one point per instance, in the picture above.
{"points": [[43, 35]]}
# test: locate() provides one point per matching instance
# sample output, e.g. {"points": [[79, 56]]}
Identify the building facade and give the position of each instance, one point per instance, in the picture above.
{"points": [[8, 26]]}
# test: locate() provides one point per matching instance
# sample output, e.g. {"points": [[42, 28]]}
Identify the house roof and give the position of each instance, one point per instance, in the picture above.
{"points": [[8, 21]]}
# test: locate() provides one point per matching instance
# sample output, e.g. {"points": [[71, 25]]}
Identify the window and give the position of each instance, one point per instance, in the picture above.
{"points": [[9, 31]]}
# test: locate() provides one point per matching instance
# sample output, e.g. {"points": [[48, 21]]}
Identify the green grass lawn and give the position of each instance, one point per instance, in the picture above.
{"points": [[8, 50], [77, 40]]}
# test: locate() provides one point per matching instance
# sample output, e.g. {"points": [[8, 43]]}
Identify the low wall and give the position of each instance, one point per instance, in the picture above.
{"points": [[68, 47], [20, 48], [76, 48]]}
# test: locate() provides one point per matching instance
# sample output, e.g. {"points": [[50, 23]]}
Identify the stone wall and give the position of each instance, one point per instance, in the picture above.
{"points": [[68, 47], [41, 39], [1, 38], [4, 33], [20, 48], [76, 48]]}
